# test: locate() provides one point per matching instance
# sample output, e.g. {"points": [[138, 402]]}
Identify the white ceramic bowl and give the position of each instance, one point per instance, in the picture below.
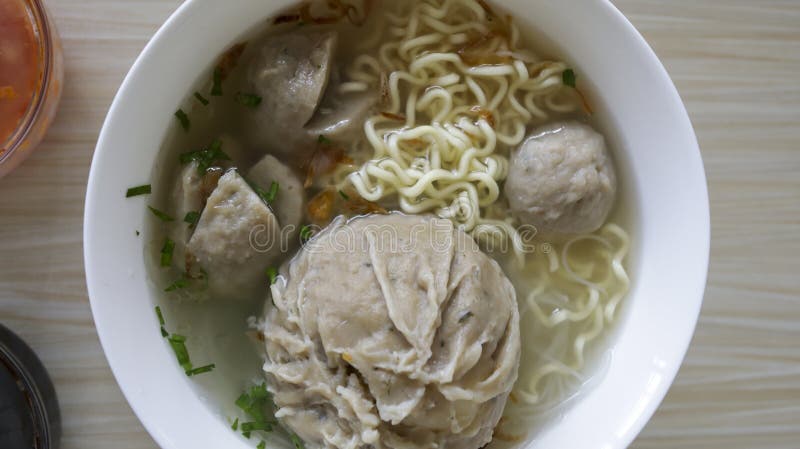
{"points": [[638, 106]]}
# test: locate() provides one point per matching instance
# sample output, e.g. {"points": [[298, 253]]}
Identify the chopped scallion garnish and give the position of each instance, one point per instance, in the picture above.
{"points": [[252, 426], [235, 425], [273, 275], [183, 119], [166, 253], [305, 233], [140, 190], [177, 285], [192, 218], [262, 445], [273, 192], [178, 344], [179, 347], [200, 370], [178, 337], [253, 402], [203, 100], [249, 100], [161, 215], [298, 443], [344, 195], [259, 191], [160, 316], [216, 88], [205, 157], [569, 78], [323, 139]]}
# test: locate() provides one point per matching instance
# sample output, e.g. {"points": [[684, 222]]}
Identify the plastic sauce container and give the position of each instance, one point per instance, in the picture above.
{"points": [[31, 77], [29, 413]]}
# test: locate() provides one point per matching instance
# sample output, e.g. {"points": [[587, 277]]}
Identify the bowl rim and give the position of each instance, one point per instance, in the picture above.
{"points": [[93, 235]]}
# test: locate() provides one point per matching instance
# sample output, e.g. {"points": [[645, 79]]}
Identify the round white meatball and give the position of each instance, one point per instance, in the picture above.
{"points": [[562, 180], [392, 331]]}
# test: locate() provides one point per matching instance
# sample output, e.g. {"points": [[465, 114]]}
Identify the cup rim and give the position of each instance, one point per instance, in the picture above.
{"points": [[45, 33]]}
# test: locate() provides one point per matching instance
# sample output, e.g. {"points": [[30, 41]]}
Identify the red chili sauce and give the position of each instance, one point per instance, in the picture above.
{"points": [[20, 71]]}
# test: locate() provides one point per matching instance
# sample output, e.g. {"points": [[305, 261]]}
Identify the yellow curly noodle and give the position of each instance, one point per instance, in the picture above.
{"points": [[441, 143], [574, 292]]}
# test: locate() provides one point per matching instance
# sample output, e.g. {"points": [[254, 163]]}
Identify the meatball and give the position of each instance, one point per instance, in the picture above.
{"points": [[561, 179], [290, 72], [392, 331], [235, 240], [290, 201]]}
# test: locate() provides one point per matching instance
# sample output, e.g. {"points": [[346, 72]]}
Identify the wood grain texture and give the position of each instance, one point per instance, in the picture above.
{"points": [[737, 66]]}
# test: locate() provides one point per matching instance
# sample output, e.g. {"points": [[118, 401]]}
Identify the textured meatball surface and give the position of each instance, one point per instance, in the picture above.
{"points": [[392, 331], [562, 179]]}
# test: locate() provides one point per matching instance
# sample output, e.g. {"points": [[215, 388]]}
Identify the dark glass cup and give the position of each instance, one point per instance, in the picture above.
{"points": [[29, 414]]}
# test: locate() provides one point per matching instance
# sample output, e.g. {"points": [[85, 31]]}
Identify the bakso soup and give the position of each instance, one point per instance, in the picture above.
{"points": [[389, 225]]}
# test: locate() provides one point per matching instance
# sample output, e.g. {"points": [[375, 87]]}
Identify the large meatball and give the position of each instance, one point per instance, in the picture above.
{"points": [[562, 180], [392, 331]]}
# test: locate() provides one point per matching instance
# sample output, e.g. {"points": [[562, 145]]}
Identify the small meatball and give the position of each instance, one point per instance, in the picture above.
{"points": [[290, 200], [290, 73], [561, 180], [342, 117], [392, 331], [236, 240]]}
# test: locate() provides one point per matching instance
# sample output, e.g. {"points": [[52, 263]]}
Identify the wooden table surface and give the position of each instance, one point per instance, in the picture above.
{"points": [[737, 65]]}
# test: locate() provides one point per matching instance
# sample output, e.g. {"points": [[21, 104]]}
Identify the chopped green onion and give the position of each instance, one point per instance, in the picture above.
{"points": [[206, 156], [344, 195], [569, 78], [160, 316], [323, 139], [273, 275], [137, 233], [216, 88], [249, 100], [177, 285], [305, 233], [251, 426], [192, 218], [253, 402], [178, 344], [465, 316], [181, 353], [184, 119], [263, 194], [201, 98], [273, 192], [246, 435], [235, 425], [178, 337], [298, 443], [166, 253], [140, 190], [161, 215], [262, 445], [200, 370]]}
